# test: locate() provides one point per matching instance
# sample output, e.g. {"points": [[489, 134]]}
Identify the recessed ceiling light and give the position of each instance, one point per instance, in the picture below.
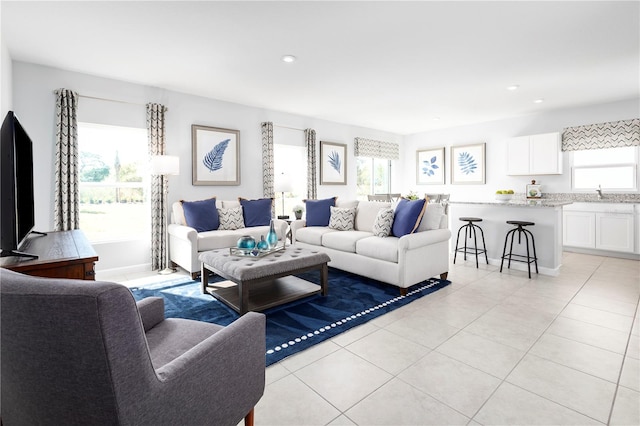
{"points": [[513, 87], [288, 58], [538, 101]]}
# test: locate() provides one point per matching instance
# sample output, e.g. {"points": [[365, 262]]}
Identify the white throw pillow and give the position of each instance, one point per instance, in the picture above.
{"points": [[383, 223], [432, 217], [342, 219], [231, 219]]}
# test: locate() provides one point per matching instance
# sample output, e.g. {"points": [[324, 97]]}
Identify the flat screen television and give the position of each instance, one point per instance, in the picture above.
{"points": [[17, 217]]}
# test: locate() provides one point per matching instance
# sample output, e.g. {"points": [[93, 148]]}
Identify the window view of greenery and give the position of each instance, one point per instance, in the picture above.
{"points": [[612, 169], [373, 176], [114, 182]]}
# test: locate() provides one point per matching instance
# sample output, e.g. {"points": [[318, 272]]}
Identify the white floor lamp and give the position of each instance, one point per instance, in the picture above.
{"points": [[166, 165], [282, 184]]}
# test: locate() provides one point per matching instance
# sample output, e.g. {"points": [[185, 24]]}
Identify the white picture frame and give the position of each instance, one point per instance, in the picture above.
{"points": [[468, 164], [430, 166]]}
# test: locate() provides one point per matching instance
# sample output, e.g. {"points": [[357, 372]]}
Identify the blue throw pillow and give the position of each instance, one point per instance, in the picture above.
{"points": [[256, 212], [319, 211], [408, 216], [201, 215]]}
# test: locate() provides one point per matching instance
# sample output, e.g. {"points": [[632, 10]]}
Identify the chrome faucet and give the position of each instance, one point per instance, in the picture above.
{"points": [[599, 191]]}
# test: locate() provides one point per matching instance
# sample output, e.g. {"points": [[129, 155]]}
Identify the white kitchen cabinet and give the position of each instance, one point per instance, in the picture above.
{"points": [[602, 226], [534, 155]]}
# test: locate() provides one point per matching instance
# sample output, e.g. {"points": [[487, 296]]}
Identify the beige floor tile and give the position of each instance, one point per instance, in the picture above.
{"points": [[579, 391], [580, 356], [595, 316], [624, 289], [309, 356], [548, 289], [398, 353], [604, 304], [499, 329], [343, 378], [290, 402], [483, 354], [354, 334], [342, 421], [626, 409], [423, 330], [630, 377], [398, 403], [591, 334], [275, 372], [511, 405], [633, 350], [458, 385], [535, 302]]}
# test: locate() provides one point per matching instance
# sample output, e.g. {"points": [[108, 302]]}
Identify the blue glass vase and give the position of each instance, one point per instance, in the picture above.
{"points": [[246, 242], [262, 244], [272, 237]]}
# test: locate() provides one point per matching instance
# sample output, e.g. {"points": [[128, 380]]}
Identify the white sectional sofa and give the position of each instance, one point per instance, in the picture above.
{"points": [[185, 243], [402, 261]]}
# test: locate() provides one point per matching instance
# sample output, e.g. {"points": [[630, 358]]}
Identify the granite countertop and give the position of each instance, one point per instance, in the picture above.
{"points": [[518, 203]]}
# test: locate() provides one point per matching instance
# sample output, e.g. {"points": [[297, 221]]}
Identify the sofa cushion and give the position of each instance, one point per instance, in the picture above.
{"points": [[229, 204], [231, 219], [379, 248], [432, 217], [366, 215], [347, 204], [256, 212], [343, 240], [319, 211], [342, 219], [408, 216], [201, 215], [313, 235], [383, 223]]}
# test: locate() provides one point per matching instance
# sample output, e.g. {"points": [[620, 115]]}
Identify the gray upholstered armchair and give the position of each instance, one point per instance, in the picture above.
{"points": [[77, 352]]}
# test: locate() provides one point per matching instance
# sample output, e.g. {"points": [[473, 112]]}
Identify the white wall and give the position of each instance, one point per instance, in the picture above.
{"points": [[494, 134], [34, 103], [5, 81]]}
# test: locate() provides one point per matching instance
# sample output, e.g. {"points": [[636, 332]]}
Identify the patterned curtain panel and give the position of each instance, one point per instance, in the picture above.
{"points": [[267, 163], [159, 187], [614, 134], [67, 198], [376, 149], [312, 182]]}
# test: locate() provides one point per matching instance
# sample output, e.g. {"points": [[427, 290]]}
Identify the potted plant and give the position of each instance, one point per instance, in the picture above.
{"points": [[411, 196], [297, 210]]}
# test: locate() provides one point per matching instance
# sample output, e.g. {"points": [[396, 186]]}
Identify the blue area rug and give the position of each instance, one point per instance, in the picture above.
{"points": [[293, 327]]}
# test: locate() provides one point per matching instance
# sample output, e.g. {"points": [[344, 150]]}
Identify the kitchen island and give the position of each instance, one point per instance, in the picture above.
{"points": [[547, 231]]}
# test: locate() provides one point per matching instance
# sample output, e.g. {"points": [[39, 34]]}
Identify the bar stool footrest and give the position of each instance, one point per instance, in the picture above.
{"points": [[531, 259]]}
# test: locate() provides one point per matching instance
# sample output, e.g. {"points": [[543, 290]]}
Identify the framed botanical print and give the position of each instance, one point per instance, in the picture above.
{"points": [[468, 164], [430, 166], [333, 163], [216, 156]]}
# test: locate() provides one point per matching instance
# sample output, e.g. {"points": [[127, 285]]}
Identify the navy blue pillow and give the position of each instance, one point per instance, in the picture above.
{"points": [[408, 216], [256, 212], [201, 215], [319, 211]]}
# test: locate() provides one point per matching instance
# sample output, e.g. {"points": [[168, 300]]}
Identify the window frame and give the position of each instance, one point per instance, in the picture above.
{"points": [[634, 164], [372, 180]]}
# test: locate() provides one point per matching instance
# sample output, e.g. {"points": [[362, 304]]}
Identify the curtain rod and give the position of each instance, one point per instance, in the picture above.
{"points": [[110, 100], [288, 127]]}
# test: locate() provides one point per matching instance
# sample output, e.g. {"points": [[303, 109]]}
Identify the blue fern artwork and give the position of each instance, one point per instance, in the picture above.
{"points": [[213, 159], [429, 166], [334, 161], [467, 163]]}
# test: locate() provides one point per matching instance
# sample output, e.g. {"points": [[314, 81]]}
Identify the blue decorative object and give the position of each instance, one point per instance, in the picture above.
{"points": [[263, 244], [408, 216], [256, 212], [429, 166], [319, 211], [334, 160], [213, 159], [201, 215], [467, 163], [272, 237], [246, 242]]}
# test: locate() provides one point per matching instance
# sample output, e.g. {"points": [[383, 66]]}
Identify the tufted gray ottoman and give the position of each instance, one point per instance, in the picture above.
{"points": [[258, 283]]}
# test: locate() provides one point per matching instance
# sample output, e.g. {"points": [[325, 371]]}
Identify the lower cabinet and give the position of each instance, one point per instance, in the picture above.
{"points": [[599, 226]]}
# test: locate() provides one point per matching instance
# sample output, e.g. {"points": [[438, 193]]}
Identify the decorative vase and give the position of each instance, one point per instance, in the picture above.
{"points": [[272, 237], [298, 215], [262, 244], [246, 242]]}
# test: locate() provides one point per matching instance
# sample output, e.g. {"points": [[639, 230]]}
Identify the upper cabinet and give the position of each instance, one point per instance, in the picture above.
{"points": [[535, 155]]}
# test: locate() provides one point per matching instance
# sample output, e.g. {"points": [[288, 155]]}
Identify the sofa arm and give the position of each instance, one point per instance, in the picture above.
{"points": [[425, 238], [183, 232], [151, 311], [295, 225], [281, 228]]}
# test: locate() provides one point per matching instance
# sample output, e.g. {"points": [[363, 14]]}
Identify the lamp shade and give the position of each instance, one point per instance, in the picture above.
{"points": [[282, 183], [165, 165]]}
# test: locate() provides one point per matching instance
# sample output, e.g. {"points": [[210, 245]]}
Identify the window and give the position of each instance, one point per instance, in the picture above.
{"points": [[114, 182], [613, 169], [290, 165], [374, 176]]}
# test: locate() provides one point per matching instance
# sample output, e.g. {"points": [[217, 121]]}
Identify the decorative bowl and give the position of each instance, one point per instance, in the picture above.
{"points": [[504, 197]]}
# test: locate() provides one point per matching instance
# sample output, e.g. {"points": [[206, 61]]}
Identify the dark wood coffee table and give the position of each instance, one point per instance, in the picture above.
{"points": [[259, 283]]}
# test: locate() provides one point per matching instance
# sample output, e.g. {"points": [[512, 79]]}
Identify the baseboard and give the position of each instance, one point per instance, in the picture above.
{"points": [[519, 266], [605, 253], [116, 272]]}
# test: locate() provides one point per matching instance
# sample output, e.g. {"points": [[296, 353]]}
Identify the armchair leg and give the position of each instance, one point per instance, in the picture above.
{"points": [[248, 419]]}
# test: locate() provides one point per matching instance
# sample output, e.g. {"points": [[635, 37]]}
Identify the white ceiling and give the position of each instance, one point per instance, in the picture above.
{"points": [[392, 66]]}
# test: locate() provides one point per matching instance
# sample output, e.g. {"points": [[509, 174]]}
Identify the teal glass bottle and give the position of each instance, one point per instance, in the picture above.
{"points": [[272, 237], [262, 244]]}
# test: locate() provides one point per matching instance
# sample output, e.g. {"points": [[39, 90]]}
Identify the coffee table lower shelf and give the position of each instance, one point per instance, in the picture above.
{"points": [[264, 295]]}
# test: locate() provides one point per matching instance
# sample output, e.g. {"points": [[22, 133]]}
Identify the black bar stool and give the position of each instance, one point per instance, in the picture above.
{"points": [[469, 228], [526, 259]]}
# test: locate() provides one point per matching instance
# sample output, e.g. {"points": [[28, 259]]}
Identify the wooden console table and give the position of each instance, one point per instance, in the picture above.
{"points": [[62, 254]]}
